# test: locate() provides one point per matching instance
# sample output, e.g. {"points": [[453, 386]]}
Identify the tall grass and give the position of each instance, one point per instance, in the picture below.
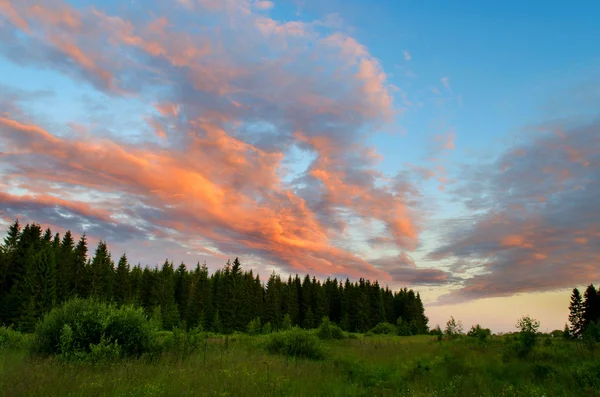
{"points": [[201, 364]]}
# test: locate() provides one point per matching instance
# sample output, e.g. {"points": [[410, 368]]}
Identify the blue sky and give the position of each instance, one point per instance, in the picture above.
{"points": [[448, 146]]}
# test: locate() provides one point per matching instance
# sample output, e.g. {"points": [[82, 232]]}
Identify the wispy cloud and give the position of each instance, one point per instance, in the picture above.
{"points": [[535, 225]]}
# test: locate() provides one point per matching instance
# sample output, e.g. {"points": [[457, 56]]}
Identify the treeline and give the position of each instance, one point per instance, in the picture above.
{"points": [[584, 313], [39, 269]]}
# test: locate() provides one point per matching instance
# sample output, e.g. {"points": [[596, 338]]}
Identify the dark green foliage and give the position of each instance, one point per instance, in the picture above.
{"points": [[88, 326], [328, 330], [436, 331], [479, 332], [39, 270], [576, 310], [528, 334], [295, 342], [122, 282], [254, 327], [384, 329], [12, 339]]}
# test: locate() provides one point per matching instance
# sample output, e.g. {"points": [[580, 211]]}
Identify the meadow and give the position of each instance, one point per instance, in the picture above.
{"points": [[357, 365]]}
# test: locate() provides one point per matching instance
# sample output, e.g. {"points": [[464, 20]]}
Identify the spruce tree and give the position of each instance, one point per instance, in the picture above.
{"points": [[80, 282], [591, 306], [65, 282], [576, 311], [122, 283], [102, 273]]}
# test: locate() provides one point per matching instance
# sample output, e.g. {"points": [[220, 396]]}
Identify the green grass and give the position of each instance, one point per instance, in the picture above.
{"points": [[240, 365]]}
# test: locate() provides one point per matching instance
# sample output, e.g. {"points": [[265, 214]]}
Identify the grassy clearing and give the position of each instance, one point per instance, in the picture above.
{"points": [[240, 365]]}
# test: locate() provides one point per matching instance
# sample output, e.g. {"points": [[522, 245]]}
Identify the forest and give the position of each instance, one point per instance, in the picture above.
{"points": [[78, 324], [40, 269]]}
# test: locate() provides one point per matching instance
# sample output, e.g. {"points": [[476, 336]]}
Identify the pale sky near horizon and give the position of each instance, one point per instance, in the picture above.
{"points": [[451, 147]]}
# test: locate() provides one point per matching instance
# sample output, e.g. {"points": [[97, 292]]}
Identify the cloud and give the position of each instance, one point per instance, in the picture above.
{"points": [[404, 271], [230, 101], [264, 5], [535, 226], [445, 82], [407, 56]]}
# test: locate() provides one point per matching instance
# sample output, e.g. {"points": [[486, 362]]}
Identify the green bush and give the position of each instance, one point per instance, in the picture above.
{"points": [[480, 333], [527, 336], [254, 327], [82, 327], [587, 374], [329, 330], [287, 322], [384, 329], [11, 339], [295, 342]]}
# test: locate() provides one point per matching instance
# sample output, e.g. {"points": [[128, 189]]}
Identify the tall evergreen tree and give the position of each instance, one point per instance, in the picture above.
{"points": [[576, 310], [102, 273], [40, 281], [591, 306], [122, 289], [80, 281], [65, 282]]}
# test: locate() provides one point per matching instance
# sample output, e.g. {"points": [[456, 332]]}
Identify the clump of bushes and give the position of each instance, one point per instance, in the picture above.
{"points": [[295, 342], [329, 330], [384, 329], [254, 327], [11, 339], [477, 331], [527, 336], [90, 329]]}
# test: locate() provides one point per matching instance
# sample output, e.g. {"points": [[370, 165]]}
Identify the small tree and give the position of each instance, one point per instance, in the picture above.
{"points": [[477, 331], [254, 327], [528, 328], [286, 323], [453, 328]]}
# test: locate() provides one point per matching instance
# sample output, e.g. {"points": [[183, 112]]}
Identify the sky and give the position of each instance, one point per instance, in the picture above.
{"points": [[448, 147]]}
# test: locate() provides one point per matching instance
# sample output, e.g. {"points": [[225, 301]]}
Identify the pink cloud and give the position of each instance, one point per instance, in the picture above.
{"points": [[263, 5], [212, 177]]}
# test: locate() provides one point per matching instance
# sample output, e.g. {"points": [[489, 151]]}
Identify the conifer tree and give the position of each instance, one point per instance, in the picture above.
{"points": [[65, 265], [591, 306], [170, 315], [102, 273], [80, 282], [40, 281], [576, 311], [122, 282], [182, 291]]}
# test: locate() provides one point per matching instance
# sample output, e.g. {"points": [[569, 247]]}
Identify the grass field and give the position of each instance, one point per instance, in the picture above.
{"points": [[239, 365]]}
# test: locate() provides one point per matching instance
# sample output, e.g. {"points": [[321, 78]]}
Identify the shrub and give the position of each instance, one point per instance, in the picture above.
{"points": [[437, 331], [384, 329], [287, 322], [453, 328], [587, 374], [527, 336], [11, 339], [329, 330], [83, 327], [267, 329], [480, 333], [254, 326], [295, 342]]}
